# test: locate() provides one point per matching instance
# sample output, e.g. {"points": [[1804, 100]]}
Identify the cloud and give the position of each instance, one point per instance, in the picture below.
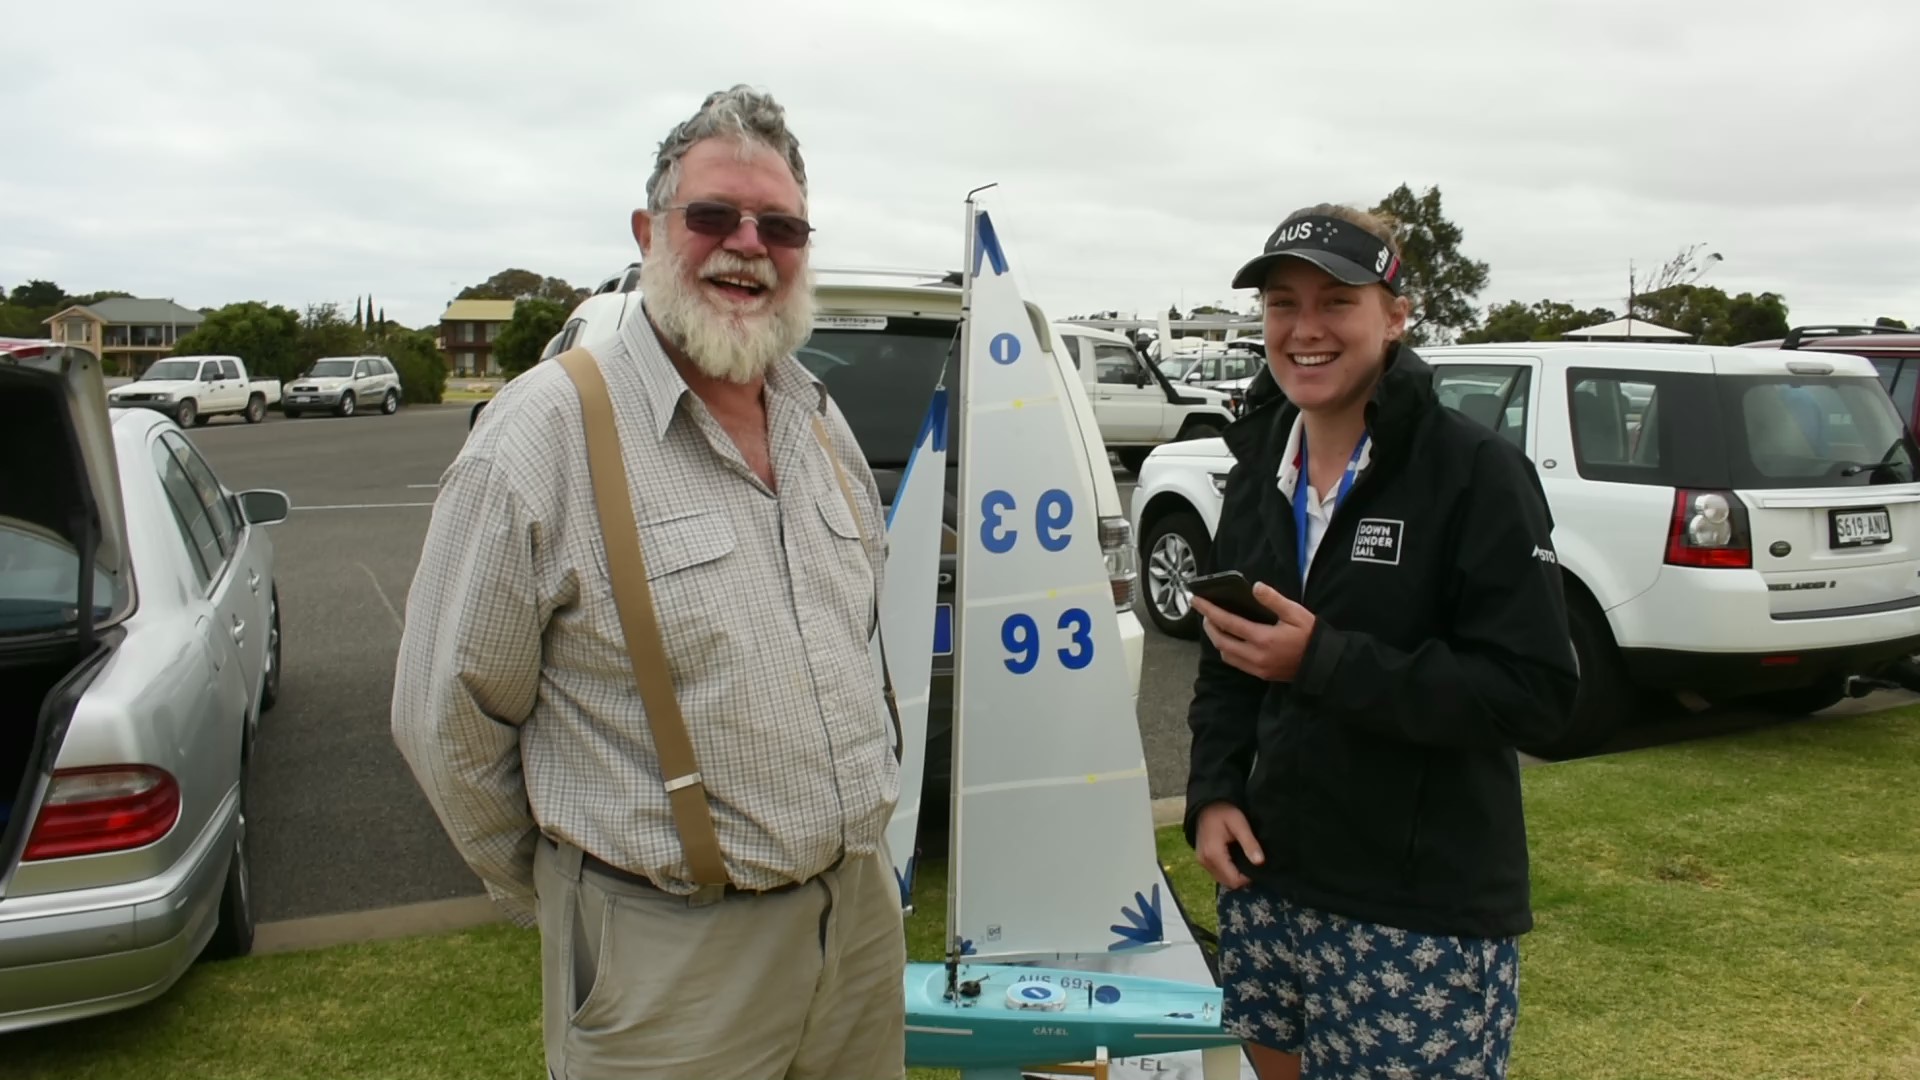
{"points": [[219, 151]]}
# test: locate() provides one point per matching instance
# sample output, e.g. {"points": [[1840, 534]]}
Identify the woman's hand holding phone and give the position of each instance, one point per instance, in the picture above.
{"points": [[1266, 650]]}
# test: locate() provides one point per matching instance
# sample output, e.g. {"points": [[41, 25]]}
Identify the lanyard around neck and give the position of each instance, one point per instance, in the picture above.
{"points": [[1300, 496]]}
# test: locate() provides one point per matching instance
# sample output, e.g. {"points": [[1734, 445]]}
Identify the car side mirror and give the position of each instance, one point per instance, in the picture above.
{"points": [[1141, 378], [265, 507], [1194, 375]]}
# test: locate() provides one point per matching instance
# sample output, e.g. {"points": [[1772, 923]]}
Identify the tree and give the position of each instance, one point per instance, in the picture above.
{"points": [[263, 336], [423, 374], [38, 294], [1685, 268], [1712, 316], [1173, 313], [22, 322], [1441, 282], [359, 320], [1754, 318], [517, 284], [96, 297], [534, 323], [1544, 320], [1887, 321], [324, 331]]}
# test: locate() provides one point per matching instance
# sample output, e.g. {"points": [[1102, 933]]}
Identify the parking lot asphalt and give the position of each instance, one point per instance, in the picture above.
{"points": [[338, 822]]}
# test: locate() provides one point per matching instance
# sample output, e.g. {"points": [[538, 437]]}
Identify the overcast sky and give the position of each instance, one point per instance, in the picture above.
{"points": [[223, 151]]}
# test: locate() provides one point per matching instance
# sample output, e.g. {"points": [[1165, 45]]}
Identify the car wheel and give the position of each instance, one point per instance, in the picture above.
{"points": [[256, 409], [1175, 548], [345, 408], [1200, 430], [1132, 457], [1604, 697], [186, 412], [391, 403], [233, 934], [270, 681]]}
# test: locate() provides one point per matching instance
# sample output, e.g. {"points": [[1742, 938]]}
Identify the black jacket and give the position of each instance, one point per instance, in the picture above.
{"points": [[1383, 782]]}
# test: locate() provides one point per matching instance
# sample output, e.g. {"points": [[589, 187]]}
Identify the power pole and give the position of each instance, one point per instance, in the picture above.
{"points": [[1630, 287]]}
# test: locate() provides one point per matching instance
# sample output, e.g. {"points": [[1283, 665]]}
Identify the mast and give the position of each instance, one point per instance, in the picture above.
{"points": [[961, 490]]}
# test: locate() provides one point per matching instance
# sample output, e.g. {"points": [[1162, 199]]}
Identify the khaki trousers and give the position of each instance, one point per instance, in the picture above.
{"points": [[640, 985]]}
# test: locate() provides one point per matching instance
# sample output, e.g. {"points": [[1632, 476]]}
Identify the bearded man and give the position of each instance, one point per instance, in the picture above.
{"points": [[515, 702]]}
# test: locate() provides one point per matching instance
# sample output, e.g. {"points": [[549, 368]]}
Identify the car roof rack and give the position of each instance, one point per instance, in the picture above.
{"points": [[1800, 333], [939, 277]]}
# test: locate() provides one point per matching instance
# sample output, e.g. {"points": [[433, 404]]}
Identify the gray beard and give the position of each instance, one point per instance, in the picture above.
{"points": [[729, 346]]}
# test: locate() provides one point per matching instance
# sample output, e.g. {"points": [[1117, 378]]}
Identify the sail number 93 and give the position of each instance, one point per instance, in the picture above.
{"points": [[1019, 632]]}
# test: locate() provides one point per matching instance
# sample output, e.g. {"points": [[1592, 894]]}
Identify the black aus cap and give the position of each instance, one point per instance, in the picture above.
{"points": [[1348, 252]]}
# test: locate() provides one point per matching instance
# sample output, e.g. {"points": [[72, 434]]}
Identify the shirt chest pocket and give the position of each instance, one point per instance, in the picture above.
{"points": [[846, 555], [688, 559]]}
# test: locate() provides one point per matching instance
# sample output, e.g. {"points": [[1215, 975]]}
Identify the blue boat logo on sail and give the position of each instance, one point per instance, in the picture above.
{"points": [[1145, 927]]}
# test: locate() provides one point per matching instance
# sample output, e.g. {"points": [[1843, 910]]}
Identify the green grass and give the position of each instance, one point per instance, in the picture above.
{"points": [[1746, 907]]}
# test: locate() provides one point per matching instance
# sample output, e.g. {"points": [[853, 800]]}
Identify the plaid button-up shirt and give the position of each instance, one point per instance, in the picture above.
{"points": [[514, 701]]}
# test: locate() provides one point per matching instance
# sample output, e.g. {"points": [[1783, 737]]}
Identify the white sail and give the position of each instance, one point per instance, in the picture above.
{"points": [[907, 616], [1052, 848]]}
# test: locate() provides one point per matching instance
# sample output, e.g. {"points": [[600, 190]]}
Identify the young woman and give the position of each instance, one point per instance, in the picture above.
{"points": [[1354, 786]]}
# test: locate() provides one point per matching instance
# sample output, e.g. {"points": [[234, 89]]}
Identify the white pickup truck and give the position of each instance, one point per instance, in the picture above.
{"points": [[1136, 406], [195, 389]]}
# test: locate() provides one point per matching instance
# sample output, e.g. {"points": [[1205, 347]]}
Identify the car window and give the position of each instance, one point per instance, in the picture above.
{"points": [[331, 369], [360, 370], [196, 530], [882, 380], [206, 489], [1496, 395], [210, 371], [1899, 376], [172, 370], [1115, 364], [1815, 432], [229, 369], [1615, 425], [1240, 365], [40, 580]]}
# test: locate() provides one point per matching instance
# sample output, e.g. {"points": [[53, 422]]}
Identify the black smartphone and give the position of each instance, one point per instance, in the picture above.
{"points": [[1231, 590]]}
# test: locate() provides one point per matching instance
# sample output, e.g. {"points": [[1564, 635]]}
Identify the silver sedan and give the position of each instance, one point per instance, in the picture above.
{"points": [[132, 693]]}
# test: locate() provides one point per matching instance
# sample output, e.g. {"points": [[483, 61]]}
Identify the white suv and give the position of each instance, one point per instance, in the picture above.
{"points": [[881, 343], [1733, 524], [343, 385]]}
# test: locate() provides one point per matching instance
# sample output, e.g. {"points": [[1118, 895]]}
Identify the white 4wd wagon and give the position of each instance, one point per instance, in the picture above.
{"points": [[1733, 524]]}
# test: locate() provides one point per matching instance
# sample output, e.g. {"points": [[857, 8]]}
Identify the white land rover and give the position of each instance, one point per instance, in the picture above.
{"points": [[1733, 524]]}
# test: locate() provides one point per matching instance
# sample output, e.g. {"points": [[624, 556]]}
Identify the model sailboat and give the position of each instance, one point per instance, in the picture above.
{"points": [[1052, 854]]}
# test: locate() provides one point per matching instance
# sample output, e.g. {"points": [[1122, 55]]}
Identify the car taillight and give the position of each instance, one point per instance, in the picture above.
{"points": [[94, 811], [1709, 529], [1116, 542]]}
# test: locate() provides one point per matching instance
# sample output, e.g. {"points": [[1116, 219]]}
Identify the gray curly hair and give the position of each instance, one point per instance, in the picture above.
{"points": [[740, 113]]}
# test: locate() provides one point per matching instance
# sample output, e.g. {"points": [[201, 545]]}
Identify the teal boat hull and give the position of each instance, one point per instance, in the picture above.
{"points": [[1070, 1015]]}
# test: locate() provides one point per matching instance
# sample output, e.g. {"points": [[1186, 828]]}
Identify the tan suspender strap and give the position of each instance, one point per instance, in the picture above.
{"points": [[638, 622], [840, 474]]}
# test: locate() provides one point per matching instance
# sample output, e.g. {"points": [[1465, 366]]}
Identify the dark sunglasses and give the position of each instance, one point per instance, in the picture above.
{"points": [[719, 219]]}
